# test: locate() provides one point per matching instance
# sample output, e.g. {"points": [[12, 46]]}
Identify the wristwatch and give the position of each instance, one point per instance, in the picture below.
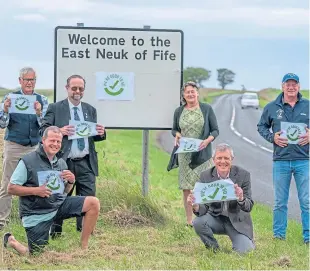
{"points": [[70, 183]]}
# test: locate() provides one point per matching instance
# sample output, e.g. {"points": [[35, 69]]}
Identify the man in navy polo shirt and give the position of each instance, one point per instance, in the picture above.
{"points": [[291, 151]]}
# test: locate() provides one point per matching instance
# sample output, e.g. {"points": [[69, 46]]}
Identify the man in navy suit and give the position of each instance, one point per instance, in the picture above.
{"points": [[80, 154]]}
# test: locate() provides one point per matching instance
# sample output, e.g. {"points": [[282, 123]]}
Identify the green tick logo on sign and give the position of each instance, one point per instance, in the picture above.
{"points": [[219, 193], [190, 146], [22, 103], [53, 182], [293, 132], [114, 84], [83, 129]]}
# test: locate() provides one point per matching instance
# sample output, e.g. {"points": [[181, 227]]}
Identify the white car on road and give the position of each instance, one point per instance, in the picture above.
{"points": [[249, 99]]}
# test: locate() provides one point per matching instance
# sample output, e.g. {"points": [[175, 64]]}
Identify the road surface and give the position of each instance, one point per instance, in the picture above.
{"points": [[238, 129]]}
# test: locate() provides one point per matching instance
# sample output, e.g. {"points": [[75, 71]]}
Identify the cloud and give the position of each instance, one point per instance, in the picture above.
{"points": [[58, 6], [33, 17], [223, 11]]}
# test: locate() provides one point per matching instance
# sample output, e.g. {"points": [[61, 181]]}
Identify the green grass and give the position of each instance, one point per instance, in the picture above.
{"points": [[134, 232], [267, 95]]}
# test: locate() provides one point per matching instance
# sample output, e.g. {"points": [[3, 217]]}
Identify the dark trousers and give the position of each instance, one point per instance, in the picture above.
{"points": [[85, 185]]}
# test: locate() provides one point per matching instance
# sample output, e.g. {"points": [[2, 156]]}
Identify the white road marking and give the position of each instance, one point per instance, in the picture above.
{"points": [[264, 148], [232, 121], [248, 140]]}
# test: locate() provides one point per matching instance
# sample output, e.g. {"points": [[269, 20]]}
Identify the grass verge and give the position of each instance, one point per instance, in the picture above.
{"points": [[134, 232]]}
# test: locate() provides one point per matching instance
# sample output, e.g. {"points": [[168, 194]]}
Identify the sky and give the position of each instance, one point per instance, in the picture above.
{"points": [[260, 40]]}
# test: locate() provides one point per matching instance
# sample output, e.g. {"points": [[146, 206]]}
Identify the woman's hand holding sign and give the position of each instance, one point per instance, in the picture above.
{"points": [[177, 139]]}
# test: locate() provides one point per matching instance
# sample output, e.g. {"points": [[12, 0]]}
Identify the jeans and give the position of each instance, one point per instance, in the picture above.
{"points": [[282, 174]]}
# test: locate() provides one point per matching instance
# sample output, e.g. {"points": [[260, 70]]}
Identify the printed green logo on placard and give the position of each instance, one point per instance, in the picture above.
{"points": [[83, 129], [220, 192], [53, 182], [22, 103], [114, 84], [293, 132], [190, 146]]}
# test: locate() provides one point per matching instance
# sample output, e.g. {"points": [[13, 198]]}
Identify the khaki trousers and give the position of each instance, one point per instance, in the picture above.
{"points": [[11, 154]]}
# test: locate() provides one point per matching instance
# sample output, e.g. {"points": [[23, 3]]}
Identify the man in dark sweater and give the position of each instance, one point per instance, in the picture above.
{"points": [[42, 182], [290, 158]]}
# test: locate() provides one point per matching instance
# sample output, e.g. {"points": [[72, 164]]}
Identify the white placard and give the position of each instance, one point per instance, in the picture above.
{"points": [[83, 129], [291, 131], [22, 104], [150, 59], [220, 190], [188, 145], [115, 86], [53, 180]]}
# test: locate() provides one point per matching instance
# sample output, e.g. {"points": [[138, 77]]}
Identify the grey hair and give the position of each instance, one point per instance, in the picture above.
{"points": [[53, 129], [223, 147], [189, 83], [26, 70]]}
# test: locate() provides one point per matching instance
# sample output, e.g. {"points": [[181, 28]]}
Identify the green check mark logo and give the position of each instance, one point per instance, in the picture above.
{"points": [[214, 194], [83, 131], [115, 84], [20, 106], [52, 184], [112, 93], [293, 136]]}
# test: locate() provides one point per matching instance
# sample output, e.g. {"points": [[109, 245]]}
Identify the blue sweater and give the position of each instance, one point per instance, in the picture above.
{"points": [[276, 112]]}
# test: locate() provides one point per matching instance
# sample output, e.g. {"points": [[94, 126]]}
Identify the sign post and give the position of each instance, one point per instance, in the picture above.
{"points": [[145, 155], [133, 76]]}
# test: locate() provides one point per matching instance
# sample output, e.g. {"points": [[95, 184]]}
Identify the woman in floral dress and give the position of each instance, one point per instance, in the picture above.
{"points": [[193, 119]]}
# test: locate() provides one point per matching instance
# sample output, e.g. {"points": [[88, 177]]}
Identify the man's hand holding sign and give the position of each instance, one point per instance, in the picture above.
{"points": [[304, 139], [214, 195], [292, 133]]}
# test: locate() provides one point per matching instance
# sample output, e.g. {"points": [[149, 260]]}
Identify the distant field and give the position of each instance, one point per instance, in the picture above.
{"points": [[206, 94], [267, 95], [209, 94]]}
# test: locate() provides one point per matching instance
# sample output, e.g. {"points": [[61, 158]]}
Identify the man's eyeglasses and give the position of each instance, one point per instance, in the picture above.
{"points": [[29, 79], [81, 89]]}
